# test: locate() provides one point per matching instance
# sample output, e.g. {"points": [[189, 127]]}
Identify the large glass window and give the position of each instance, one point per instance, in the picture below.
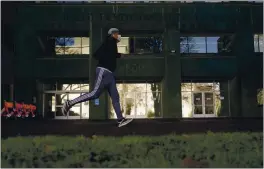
{"points": [[127, 45], [139, 100], [65, 92], [140, 45], [258, 43], [71, 45], [212, 44], [203, 99]]}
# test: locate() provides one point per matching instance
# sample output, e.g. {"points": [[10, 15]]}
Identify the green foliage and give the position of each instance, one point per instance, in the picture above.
{"points": [[150, 114], [260, 97], [129, 108], [218, 150]]}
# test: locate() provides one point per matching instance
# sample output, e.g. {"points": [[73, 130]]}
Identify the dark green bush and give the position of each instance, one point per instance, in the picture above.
{"points": [[217, 150]]}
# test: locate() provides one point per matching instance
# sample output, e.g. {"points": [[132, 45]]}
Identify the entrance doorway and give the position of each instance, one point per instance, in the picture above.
{"points": [[56, 98], [203, 104]]}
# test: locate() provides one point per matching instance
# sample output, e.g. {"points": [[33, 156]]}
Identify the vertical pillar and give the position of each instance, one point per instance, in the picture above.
{"points": [[171, 83], [25, 54], [244, 51], [224, 92], [97, 112], [235, 97]]}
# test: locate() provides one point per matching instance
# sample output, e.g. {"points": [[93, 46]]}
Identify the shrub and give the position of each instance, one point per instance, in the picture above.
{"points": [[199, 150]]}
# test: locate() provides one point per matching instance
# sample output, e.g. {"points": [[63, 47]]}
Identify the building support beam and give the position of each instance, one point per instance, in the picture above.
{"points": [[98, 110], [247, 71], [171, 83]]}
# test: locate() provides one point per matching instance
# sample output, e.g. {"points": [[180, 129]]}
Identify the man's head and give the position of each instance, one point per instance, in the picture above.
{"points": [[114, 32]]}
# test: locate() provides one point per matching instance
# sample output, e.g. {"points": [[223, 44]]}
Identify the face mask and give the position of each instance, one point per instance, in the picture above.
{"points": [[119, 38]]}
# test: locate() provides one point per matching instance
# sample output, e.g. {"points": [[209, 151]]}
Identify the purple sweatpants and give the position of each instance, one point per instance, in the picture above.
{"points": [[104, 79]]}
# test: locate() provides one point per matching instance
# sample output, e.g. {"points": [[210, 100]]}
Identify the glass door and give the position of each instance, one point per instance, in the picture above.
{"points": [[198, 104], [203, 104], [209, 106]]}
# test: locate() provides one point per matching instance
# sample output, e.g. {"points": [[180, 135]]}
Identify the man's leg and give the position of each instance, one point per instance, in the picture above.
{"points": [[112, 90], [98, 88]]}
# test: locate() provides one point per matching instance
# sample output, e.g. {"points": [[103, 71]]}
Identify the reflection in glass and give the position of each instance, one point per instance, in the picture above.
{"points": [[218, 101], [139, 100], [197, 99], [209, 99], [197, 44], [184, 45], [261, 44], [198, 109], [71, 45], [195, 95], [212, 43], [186, 87], [209, 109], [256, 43], [85, 110], [58, 111], [58, 100], [187, 105], [146, 45], [154, 104]]}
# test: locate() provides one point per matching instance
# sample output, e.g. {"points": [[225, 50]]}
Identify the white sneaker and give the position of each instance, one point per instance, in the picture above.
{"points": [[124, 122]]}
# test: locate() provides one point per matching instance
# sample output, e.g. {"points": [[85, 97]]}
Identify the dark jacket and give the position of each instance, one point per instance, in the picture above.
{"points": [[107, 53]]}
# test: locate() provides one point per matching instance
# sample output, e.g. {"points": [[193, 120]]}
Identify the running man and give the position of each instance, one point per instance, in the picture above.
{"points": [[106, 55]]}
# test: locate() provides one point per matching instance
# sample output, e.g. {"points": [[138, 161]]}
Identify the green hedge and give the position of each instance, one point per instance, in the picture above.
{"points": [[207, 150]]}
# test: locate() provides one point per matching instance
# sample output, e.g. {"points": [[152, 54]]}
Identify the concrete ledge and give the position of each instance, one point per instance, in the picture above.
{"points": [[11, 128]]}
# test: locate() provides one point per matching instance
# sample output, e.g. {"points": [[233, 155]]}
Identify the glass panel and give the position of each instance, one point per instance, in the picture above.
{"points": [[85, 42], [85, 109], [197, 44], [197, 99], [71, 45], [73, 41], [75, 110], [202, 87], [261, 44], [187, 104], [129, 104], [212, 44], [186, 86], [209, 99], [60, 99], [72, 50], [53, 105], [73, 95], [154, 104], [198, 109], [218, 101], [184, 45], [59, 112], [260, 96], [147, 45], [209, 109], [84, 87], [59, 42], [140, 104], [59, 50], [64, 86], [85, 50], [256, 43], [123, 45]]}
